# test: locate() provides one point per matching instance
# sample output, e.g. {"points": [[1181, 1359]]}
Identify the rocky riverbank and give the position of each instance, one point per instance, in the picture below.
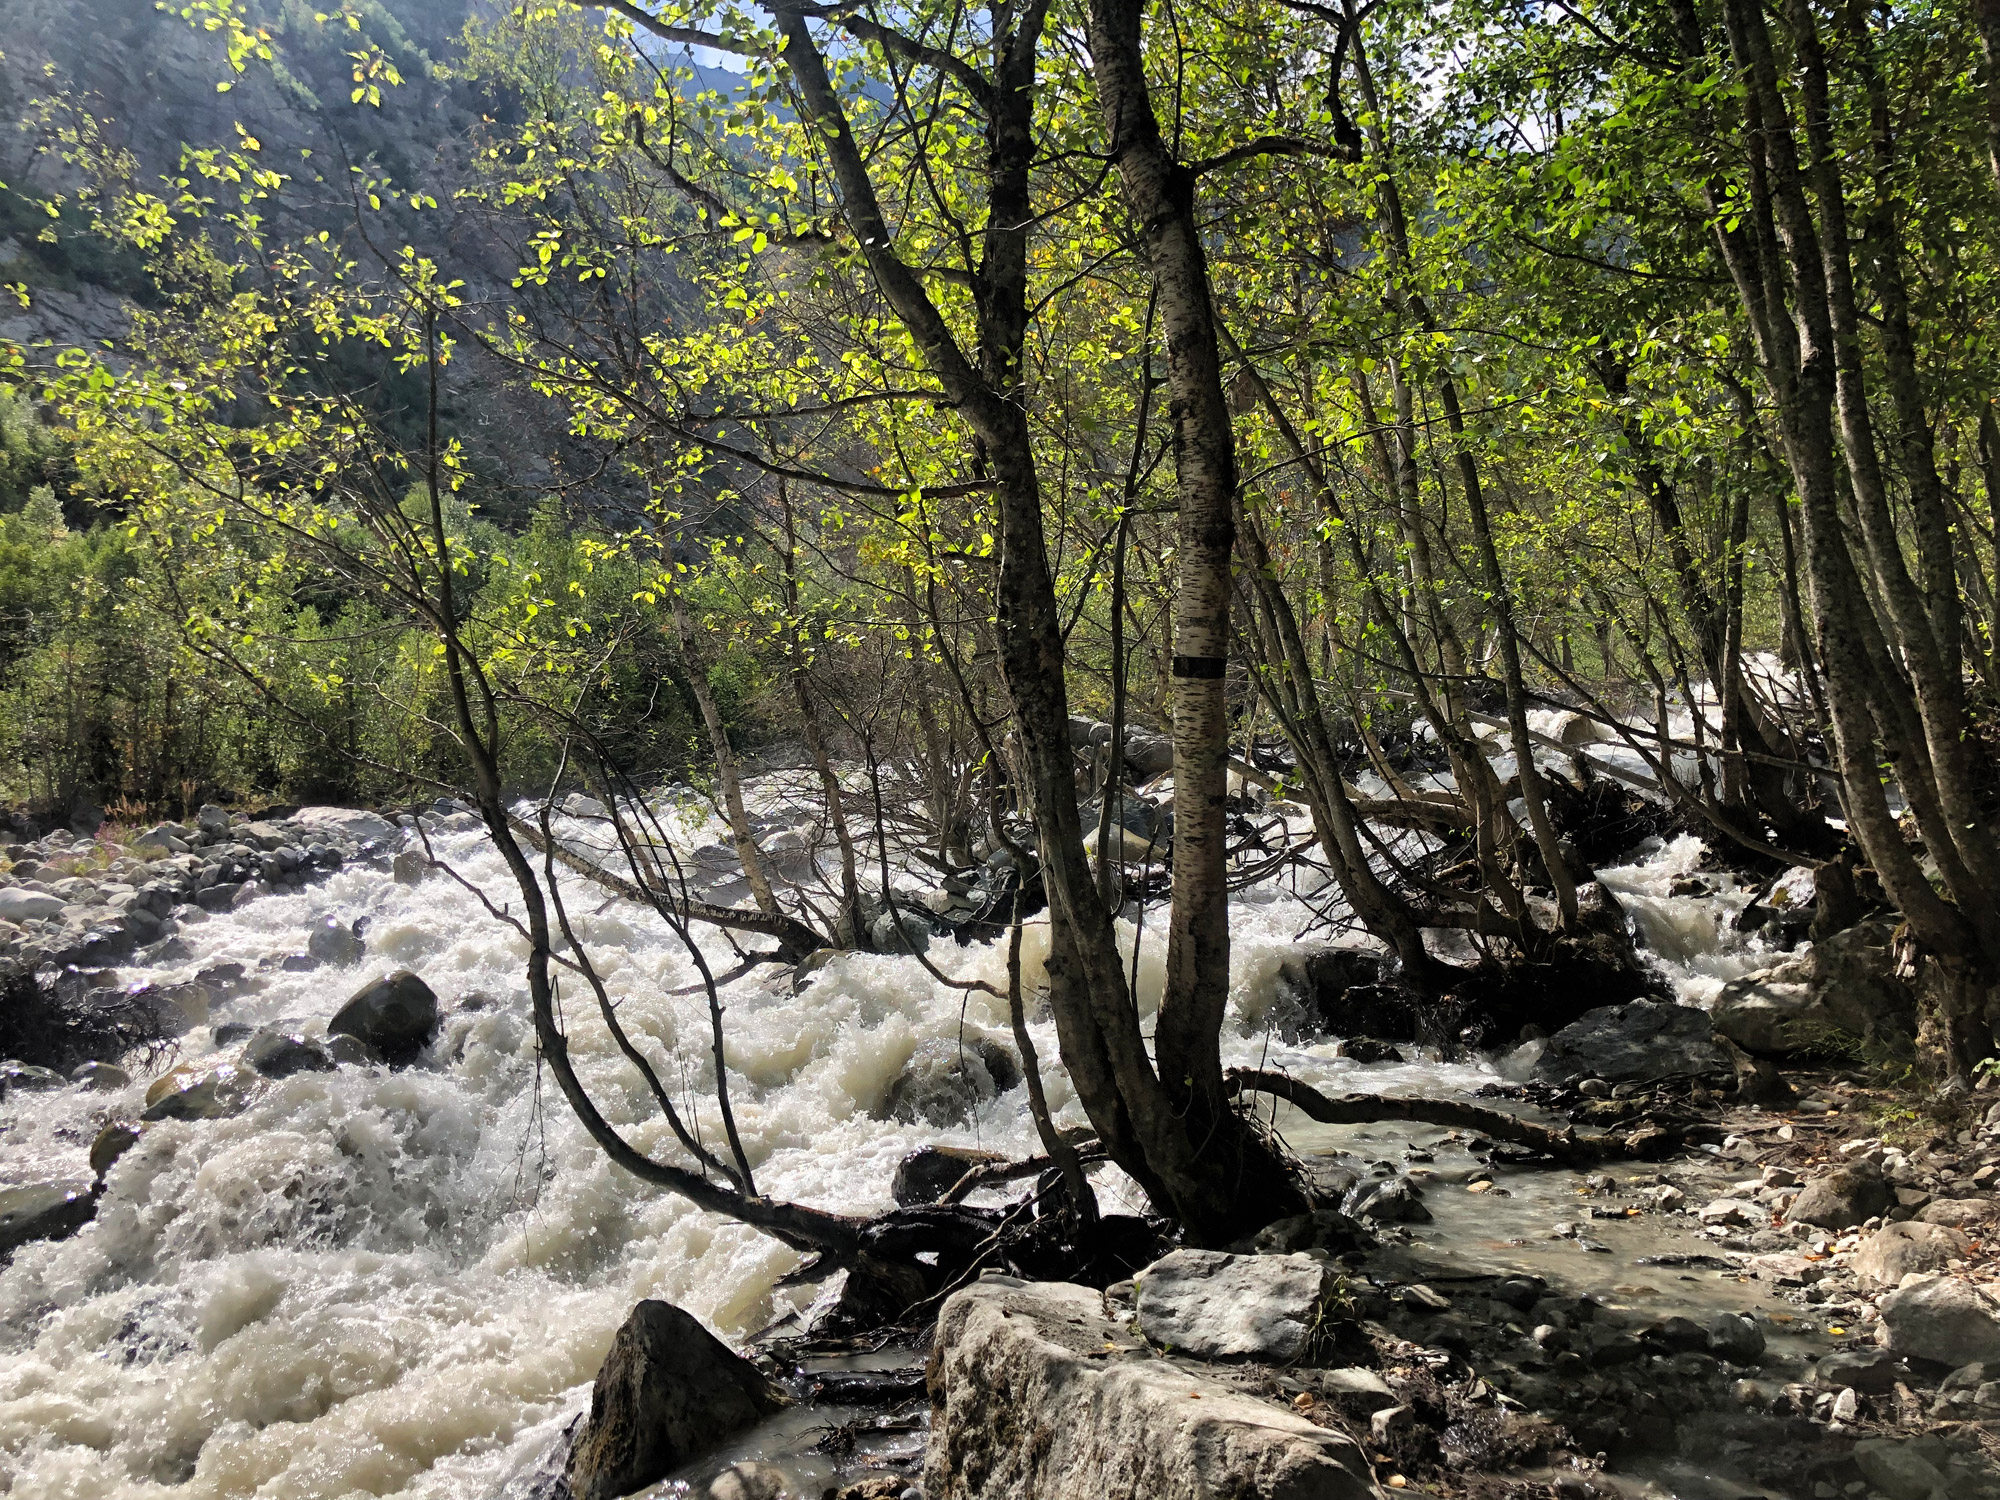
{"points": [[1797, 1307], [74, 900], [340, 1068]]}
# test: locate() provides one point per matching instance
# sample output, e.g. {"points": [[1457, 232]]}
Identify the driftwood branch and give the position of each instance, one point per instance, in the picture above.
{"points": [[992, 1173], [1457, 1114], [794, 937]]}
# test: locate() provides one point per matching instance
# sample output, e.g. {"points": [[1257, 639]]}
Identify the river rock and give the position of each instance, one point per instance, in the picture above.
{"points": [[1848, 1195], [332, 941], [347, 824], [42, 1211], [1122, 846], [172, 837], [1758, 1012], [668, 1391], [945, 1081], [1736, 1338], [1642, 1041], [277, 1053], [1898, 1250], [350, 1051], [20, 905], [751, 1481], [112, 1142], [923, 1175], [1214, 1305], [1855, 988], [212, 819], [410, 867], [869, 1294], [1387, 1200], [1147, 754], [219, 897], [1322, 1229], [100, 1076], [29, 1078], [396, 1016], [900, 931], [1025, 1406], [1941, 1318], [1898, 1469], [210, 1094], [809, 967], [1872, 1370], [1957, 1213], [1366, 1049]]}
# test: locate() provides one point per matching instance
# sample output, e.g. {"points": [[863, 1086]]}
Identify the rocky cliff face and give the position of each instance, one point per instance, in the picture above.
{"points": [[148, 80]]}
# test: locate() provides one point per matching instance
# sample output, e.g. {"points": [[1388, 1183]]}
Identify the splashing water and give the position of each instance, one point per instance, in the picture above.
{"points": [[401, 1283]]}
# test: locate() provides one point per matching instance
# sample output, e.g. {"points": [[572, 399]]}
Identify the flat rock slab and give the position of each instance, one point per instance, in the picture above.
{"points": [[1942, 1318], [1036, 1395], [1214, 1305], [1642, 1041]]}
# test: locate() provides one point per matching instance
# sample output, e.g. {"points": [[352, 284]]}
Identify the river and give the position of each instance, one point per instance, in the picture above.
{"points": [[376, 1282]]}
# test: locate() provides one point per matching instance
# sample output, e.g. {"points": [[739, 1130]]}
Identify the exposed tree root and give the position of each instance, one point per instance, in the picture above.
{"points": [[1564, 1145]]}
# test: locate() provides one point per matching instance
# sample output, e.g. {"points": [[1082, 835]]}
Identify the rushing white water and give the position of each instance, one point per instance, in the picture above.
{"points": [[401, 1283]]}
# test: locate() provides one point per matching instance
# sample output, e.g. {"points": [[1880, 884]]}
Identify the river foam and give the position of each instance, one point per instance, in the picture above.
{"points": [[402, 1283]]}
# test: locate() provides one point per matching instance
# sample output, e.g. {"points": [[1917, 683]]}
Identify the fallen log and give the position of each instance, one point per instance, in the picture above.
{"points": [[1565, 1145]]}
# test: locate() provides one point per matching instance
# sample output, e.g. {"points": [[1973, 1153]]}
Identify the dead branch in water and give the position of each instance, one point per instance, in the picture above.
{"points": [[794, 937], [1564, 1145]]}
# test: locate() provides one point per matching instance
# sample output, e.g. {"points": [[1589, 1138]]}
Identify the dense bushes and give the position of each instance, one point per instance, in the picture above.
{"points": [[105, 698]]}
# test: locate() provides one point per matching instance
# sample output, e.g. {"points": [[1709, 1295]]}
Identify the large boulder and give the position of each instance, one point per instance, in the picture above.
{"points": [[396, 1016], [1760, 1012], [1642, 1041], [1958, 1213], [668, 1391], [1899, 1250], [1848, 1195], [1942, 1318], [1855, 989], [1037, 1395], [1899, 1470], [900, 931], [1147, 754], [1214, 1305], [946, 1079]]}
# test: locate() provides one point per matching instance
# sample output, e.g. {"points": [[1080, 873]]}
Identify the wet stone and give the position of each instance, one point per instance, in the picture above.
{"points": [[280, 1054], [396, 1016], [42, 1211], [925, 1174], [112, 1142], [331, 941], [100, 1075]]}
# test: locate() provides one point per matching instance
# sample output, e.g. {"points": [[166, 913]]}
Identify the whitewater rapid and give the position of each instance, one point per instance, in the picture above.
{"points": [[402, 1283]]}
